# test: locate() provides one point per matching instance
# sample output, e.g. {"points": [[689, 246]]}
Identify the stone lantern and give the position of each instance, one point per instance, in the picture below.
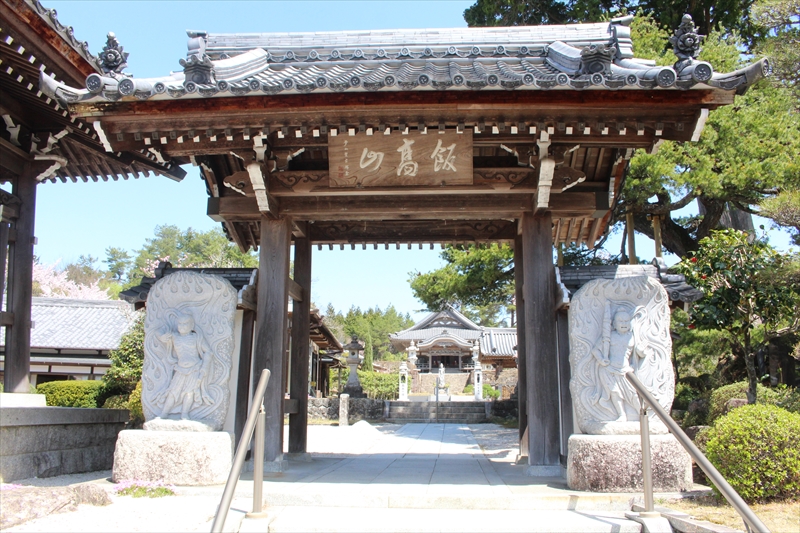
{"points": [[478, 371], [355, 355], [412, 365], [403, 396], [412, 354]]}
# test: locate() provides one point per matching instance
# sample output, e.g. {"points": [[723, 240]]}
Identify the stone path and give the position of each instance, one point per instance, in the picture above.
{"points": [[416, 477]]}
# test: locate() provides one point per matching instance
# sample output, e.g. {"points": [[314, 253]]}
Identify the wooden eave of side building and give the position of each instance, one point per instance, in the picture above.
{"points": [[33, 43]]}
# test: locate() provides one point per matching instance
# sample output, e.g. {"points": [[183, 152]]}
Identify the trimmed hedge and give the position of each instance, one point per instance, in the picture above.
{"points": [[755, 447], [71, 393], [135, 404], [489, 392], [116, 402], [738, 390]]}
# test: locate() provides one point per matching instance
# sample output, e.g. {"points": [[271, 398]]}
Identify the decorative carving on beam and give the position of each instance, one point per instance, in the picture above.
{"points": [[240, 182], [289, 180], [510, 176], [113, 59]]}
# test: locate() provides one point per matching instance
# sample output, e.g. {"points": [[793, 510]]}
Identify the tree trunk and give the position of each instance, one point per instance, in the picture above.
{"points": [[750, 364]]}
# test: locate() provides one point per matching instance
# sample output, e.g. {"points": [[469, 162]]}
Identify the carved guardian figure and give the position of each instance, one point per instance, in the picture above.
{"points": [[189, 338], [617, 326]]}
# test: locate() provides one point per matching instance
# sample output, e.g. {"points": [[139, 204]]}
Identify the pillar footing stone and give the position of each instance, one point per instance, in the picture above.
{"points": [[173, 457], [613, 463]]}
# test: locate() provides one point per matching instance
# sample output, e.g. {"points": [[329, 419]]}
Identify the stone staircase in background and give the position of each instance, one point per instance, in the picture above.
{"points": [[442, 413], [456, 381]]}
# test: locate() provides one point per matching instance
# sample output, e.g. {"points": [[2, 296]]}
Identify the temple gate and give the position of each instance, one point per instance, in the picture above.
{"points": [[518, 135]]}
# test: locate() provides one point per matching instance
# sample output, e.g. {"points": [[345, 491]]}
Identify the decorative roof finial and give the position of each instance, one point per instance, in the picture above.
{"points": [[113, 59], [685, 42]]}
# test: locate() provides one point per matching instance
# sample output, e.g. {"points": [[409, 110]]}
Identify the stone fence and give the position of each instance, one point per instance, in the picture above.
{"points": [[53, 441], [359, 409]]}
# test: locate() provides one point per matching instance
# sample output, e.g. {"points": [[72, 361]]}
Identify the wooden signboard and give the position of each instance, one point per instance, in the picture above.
{"points": [[431, 159]]}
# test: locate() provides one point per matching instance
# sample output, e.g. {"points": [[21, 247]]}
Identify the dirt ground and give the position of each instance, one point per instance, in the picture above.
{"points": [[779, 517]]}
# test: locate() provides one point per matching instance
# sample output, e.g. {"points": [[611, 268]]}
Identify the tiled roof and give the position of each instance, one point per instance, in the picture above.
{"points": [[78, 324], [574, 56]]}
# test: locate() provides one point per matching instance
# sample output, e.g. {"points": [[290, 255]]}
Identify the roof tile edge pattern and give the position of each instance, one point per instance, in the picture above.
{"points": [[571, 57]]}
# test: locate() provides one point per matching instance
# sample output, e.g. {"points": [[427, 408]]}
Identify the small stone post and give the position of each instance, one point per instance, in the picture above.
{"points": [[477, 372], [344, 400], [403, 394]]}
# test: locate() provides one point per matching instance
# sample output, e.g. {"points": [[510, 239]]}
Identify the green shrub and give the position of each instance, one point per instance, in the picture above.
{"points": [[790, 400], [126, 362], [376, 385], [71, 393], [488, 391], [119, 401], [757, 450], [135, 404], [684, 395], [720, 397]]}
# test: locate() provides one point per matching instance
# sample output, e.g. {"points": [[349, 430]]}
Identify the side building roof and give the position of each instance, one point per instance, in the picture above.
{"points": [[72, 324]]}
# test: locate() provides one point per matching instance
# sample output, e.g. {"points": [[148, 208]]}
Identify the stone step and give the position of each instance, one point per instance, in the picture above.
{"points": [[408, 410], [334, 520], [433, 421]]}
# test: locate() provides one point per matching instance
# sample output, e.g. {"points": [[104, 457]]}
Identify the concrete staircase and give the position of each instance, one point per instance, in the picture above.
{"points": [[447, 412]]}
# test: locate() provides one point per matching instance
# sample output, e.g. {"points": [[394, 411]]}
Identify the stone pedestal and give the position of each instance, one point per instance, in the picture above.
{"points": [[173, 457], [613, 463]]}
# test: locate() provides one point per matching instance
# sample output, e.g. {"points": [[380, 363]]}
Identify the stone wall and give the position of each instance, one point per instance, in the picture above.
{"points": [[53, 441], [359, 409], [505, 408]]}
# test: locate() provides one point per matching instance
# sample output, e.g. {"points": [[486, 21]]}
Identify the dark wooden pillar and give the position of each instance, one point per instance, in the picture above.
{"points": [[541, 365], [301, 317], [20, 288], [522, 387], [563, 382], [243, 378], [271, 327]]}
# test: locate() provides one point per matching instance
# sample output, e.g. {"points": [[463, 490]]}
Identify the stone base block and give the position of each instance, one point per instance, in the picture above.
{"points": [[613, 463], [173, 457]]}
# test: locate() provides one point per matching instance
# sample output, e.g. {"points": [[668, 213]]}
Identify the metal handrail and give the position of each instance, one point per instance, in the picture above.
{"points": [[751, 521], [255, 418]]}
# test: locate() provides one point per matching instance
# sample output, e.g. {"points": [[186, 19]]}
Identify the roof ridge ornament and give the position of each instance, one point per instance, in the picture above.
{"points": [[686, 43], [197, 67], [113, 59], [597, 58]]}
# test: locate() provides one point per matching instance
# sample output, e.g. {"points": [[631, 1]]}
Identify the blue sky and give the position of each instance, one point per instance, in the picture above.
{"points": [[76, 219]]}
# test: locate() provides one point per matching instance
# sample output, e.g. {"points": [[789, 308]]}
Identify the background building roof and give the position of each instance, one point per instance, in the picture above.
{"points": [[64, 323]]}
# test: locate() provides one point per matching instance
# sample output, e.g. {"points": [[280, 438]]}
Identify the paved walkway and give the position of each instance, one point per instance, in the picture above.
{"points": [[414, 477]]}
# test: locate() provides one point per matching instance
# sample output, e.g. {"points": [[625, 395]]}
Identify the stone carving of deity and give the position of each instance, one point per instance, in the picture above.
{"points": [[619, 326], [440, 377], [189, 340]]}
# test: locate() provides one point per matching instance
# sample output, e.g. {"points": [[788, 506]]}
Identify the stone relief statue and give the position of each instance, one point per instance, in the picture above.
{"points": [[189, 342], [617, 326]]}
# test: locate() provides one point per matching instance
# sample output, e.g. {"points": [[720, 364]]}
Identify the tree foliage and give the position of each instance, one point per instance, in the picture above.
{"points": [[708, 15], [189, 249], [127, 360], [372, 327], [478, 280], [50, 282], [739, 299], [744, 156], [780, 20]]}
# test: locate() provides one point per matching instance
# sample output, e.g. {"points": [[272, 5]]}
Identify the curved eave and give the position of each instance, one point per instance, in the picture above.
{"points": [[252, 76]]}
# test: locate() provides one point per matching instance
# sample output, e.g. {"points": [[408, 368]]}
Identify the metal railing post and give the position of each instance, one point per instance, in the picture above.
{"points": [[258, 464], [647, 466], [751, 521], [241, 452]]}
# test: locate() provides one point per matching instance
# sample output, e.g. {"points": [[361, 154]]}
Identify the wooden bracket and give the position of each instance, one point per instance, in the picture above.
{"points": [[296, 292], [6, 319], [260, 187]]}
